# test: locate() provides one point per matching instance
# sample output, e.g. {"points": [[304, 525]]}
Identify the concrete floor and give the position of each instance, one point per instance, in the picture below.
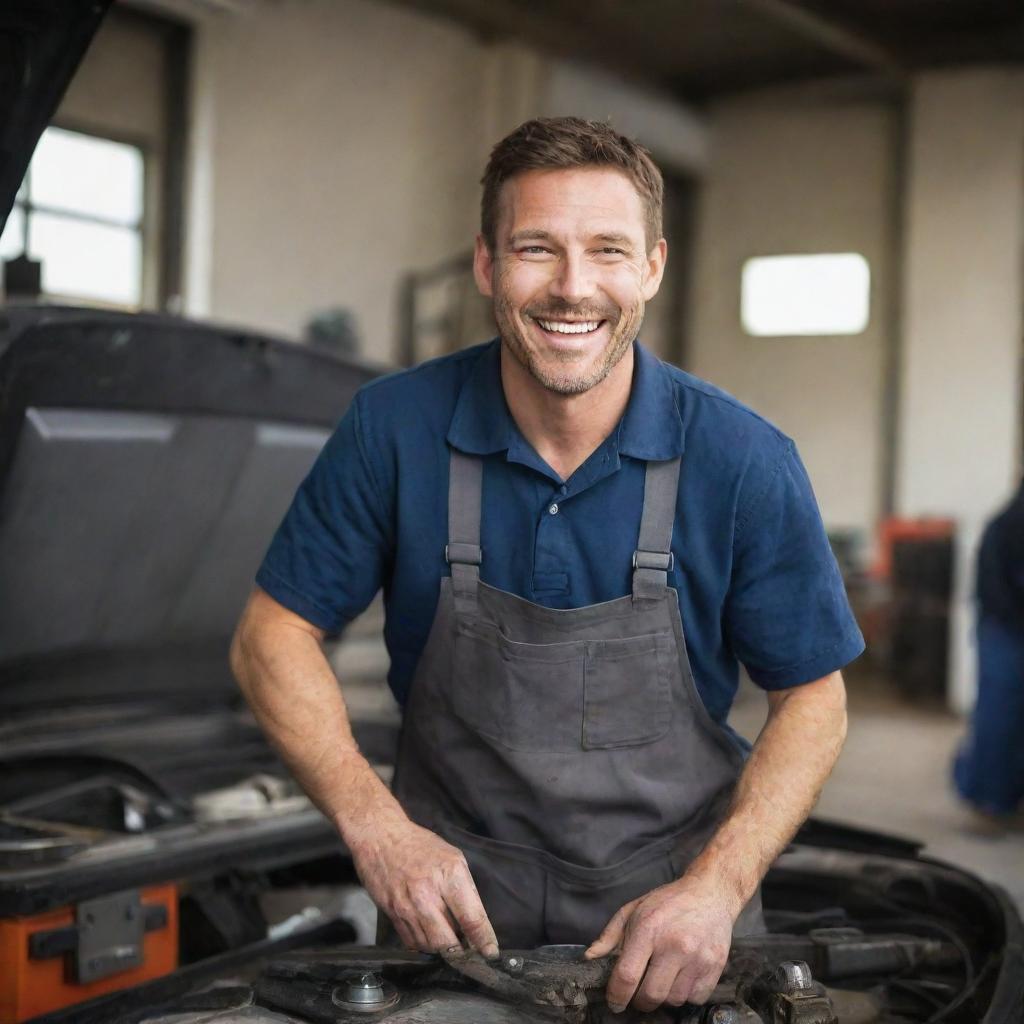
{"points": [[893, 776]]}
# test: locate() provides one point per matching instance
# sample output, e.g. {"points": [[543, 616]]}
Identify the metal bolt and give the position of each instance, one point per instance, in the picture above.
{"points": [[364, 992], [793, 976], [514, 964], [724, 1015], [366, 987]]}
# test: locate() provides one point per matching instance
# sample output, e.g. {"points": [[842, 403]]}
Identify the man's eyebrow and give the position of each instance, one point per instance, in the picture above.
{"points": [[539, 235], [530, 233]]}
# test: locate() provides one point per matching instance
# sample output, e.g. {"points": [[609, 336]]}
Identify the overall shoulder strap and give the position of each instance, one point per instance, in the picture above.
{"points": [[653, 559], [462, 551]]}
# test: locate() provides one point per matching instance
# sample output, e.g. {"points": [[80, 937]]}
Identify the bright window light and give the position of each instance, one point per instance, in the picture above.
{"points": [[13, 236], [82, 202], [819, 294], [82, 174], [84, 260]]}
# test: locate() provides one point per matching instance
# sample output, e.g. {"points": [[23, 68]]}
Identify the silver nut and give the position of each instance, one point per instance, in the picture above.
{"points": [[793, 976], [724, 1015], [363, 989]]}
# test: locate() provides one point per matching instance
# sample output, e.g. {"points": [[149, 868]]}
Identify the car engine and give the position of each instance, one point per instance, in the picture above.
{"points": [[901, 942]]}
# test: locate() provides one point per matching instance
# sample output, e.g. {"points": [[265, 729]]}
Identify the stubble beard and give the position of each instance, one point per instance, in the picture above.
{"points": [[511, 329]]}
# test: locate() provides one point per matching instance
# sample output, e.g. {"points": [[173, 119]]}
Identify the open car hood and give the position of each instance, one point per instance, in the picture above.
{"points": [[42, 43], [145, 462]]}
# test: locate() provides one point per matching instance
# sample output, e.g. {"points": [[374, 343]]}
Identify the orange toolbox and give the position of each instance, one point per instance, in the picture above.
{"points": [[62, 957]]}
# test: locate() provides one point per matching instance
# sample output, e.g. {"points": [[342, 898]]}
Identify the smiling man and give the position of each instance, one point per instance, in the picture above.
{"points": [[579, 545]]}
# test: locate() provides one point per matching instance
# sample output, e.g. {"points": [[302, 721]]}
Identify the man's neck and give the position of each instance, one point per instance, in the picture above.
{"points": [[565, 429]]}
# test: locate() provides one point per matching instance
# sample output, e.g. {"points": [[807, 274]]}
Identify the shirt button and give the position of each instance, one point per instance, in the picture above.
{"points": [[553, 509]]}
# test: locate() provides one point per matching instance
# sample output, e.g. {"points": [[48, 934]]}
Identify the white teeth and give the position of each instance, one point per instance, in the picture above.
{"points": [[559, 327]]}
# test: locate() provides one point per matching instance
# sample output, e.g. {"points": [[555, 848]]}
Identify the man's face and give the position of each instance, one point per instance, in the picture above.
{"points": [[570, 273]]}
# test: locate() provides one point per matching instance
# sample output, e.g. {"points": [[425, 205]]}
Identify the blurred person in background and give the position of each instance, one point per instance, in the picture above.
{"points": [[989, 768]]}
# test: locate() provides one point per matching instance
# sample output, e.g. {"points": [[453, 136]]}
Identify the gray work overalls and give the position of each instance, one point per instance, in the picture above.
{"points": [[566, 752]]}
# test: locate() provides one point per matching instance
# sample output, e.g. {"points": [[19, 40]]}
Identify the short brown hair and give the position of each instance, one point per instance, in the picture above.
{"points": [[558, 143]]}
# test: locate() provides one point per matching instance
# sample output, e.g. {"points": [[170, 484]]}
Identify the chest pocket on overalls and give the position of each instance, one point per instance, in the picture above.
{"points": [[562, 697]]}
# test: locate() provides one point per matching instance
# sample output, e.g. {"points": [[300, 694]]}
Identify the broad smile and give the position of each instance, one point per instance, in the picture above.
{"points": [[570, 326], [562, 331]]}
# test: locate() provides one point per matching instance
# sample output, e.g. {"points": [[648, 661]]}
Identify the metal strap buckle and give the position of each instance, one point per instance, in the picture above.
{"points": [[654, 560], [463, 554]]}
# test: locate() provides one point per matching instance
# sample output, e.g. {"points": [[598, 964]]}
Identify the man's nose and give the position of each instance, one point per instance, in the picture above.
{"points": [[573, 282]]}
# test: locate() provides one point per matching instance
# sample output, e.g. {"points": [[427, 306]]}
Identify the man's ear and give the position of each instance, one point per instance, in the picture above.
{"points": [[656, 259], [483, 266]]}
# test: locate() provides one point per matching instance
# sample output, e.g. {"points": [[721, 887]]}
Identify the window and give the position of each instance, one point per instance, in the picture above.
{"points": [[819, 294], [80, 211]]}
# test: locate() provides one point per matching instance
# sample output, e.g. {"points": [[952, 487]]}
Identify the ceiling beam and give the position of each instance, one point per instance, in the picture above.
{"points": [[563, 29], [831, 35]]}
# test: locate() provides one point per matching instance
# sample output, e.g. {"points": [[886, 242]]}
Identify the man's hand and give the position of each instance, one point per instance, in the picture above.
{"points": [[680, 934], [424, 886], [414, 876], [674, 946]]}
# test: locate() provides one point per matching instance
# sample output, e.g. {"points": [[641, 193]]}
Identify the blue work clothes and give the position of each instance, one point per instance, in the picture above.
{"points": [[1001, 566], [753, 571], [989, 769]]}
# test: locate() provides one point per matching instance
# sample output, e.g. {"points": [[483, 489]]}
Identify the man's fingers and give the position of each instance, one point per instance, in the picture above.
{"points": [[433, 922], [439, 933], [703, 987], [405, 934], [464, 902], [450, 918], [682, 988], [612, 934], [662, 973], [628, 973]]}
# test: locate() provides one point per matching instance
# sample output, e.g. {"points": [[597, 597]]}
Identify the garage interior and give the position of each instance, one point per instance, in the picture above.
{"points": [[310, 171]]}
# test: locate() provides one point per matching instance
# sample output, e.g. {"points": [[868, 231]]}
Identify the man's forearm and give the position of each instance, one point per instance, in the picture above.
{"points": [[284, 674], [780, 783], [418, 880]]}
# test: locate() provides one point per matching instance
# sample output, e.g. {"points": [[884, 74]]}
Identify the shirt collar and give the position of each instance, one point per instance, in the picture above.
{"points": [[482, 424], [651, 427]]}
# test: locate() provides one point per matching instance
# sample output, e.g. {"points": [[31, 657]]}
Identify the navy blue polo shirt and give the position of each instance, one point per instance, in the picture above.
{"points": [[756, 579]]}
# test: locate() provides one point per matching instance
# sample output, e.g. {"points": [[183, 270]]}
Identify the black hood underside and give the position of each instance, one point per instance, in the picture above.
{"points": [[144, 464], [42, 43]]}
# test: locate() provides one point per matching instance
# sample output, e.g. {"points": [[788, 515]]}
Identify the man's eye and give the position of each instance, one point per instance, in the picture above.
{"points": [[609, 250], [534, 250]]}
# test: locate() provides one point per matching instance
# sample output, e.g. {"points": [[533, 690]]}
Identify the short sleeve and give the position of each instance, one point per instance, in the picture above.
{"points": [[327, 559], [787, 617]]}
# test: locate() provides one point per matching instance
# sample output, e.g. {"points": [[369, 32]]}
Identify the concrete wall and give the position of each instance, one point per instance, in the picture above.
{"points": [[960, 409], [801, 177], [341, 147]]}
